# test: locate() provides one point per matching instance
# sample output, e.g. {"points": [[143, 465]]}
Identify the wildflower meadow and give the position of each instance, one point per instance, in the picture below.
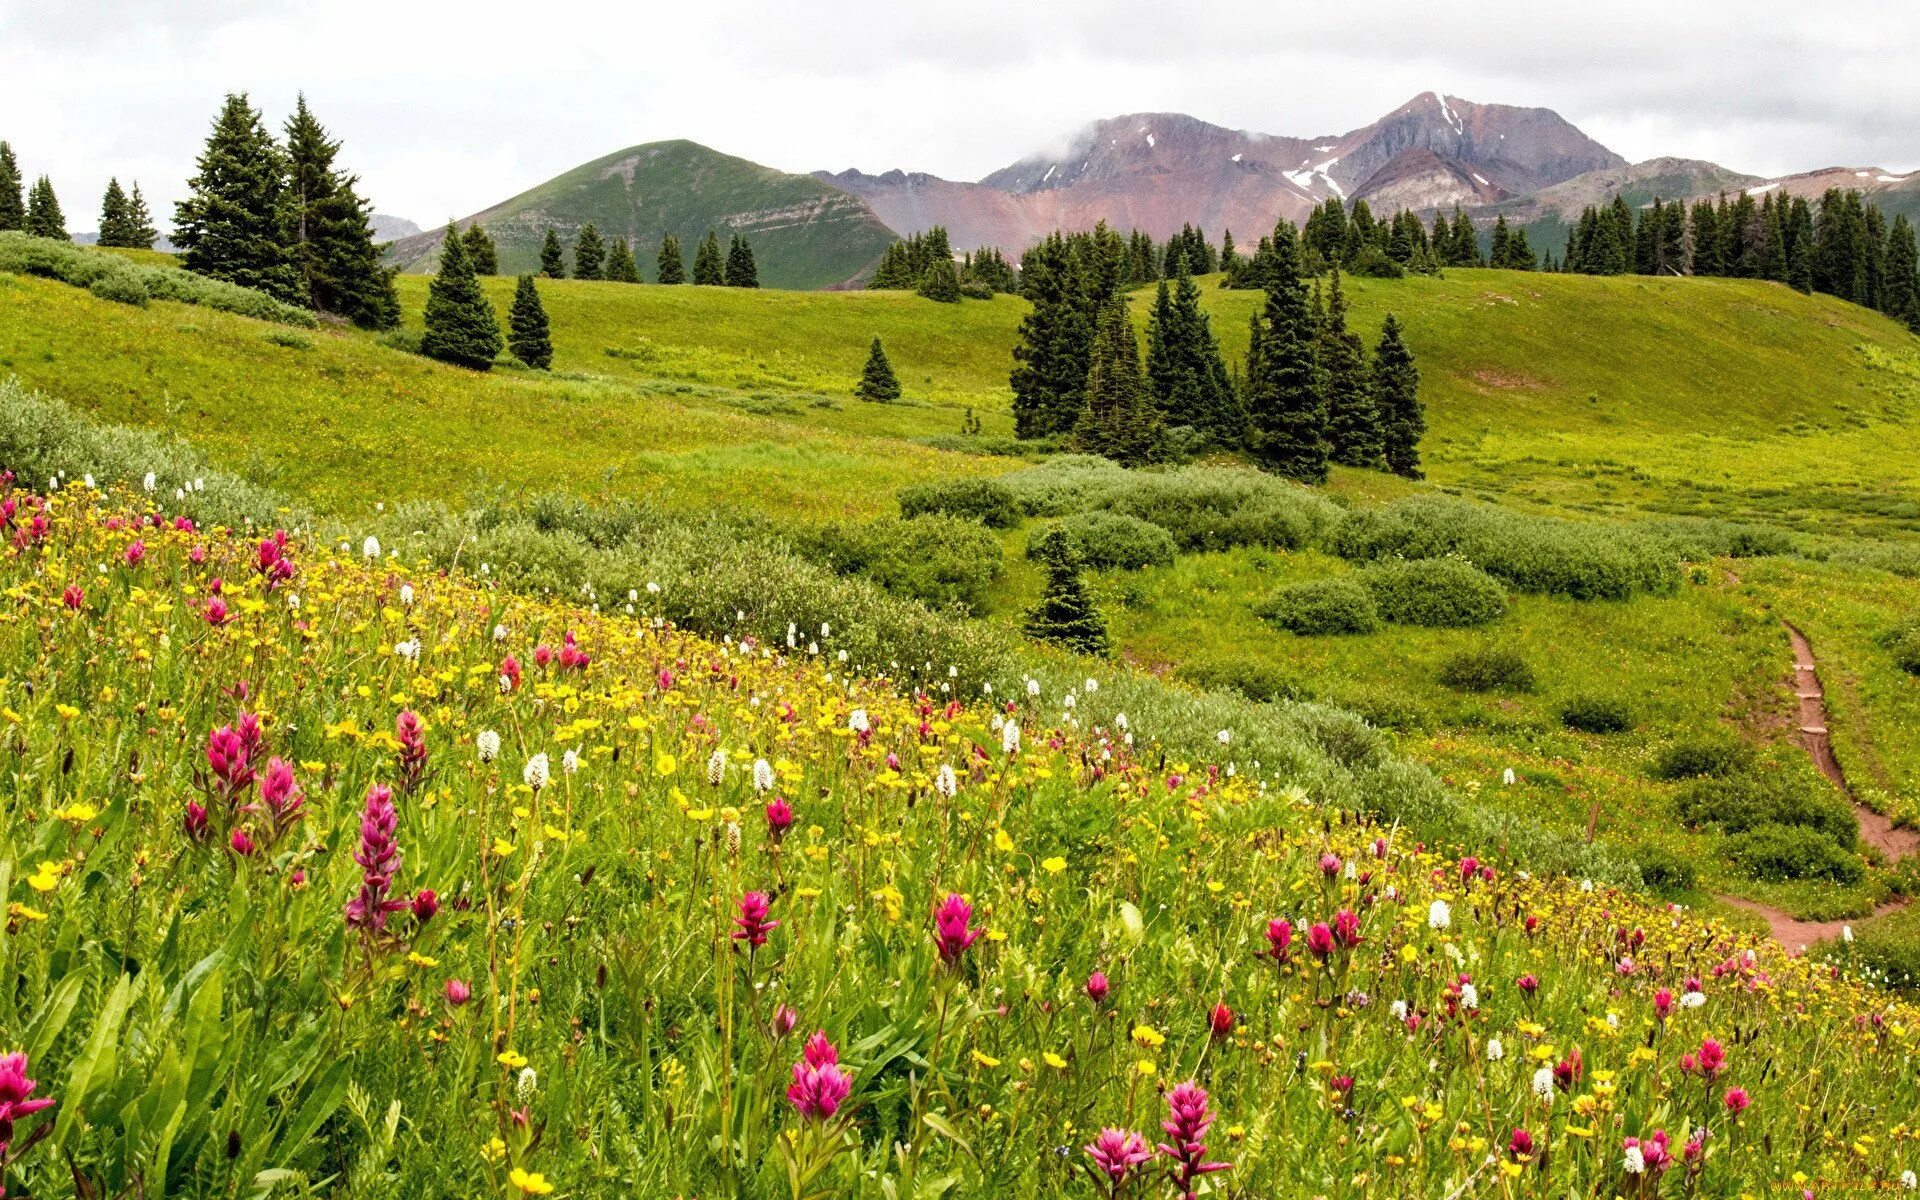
{"points": [[329, 873]]}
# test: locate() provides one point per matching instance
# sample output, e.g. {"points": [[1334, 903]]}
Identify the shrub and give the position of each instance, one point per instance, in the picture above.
{"points": [[1710, 754], [1696, 539], [1546, 555], [1895, 558], [1442, 593], [1903, 643], [1208, 508], [1067, 483], [1597, 714], [1108, 541], [1254, 678], [115, 277], [1322, 606], [984, 500], [1487, 670], [121, 289], [1666, 872], [1778, 853], [1775, 794], [943, 561], [1888, 948], [1372, 262]]}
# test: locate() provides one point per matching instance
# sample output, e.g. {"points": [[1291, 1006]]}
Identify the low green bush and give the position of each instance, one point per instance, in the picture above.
{"points": [[1779, 853], [1902, 642], [1597, 714], [1886, 951], [1895, 558], [114, 277], [1487, 670], [1717, 753], [1772, 793], [1322, 606], [1665, 872], [1697, 539], [1106, 541], [1587, 560], [1439, 593], [1254, 678], [984, 500], [943, 561], [1204, 508]]}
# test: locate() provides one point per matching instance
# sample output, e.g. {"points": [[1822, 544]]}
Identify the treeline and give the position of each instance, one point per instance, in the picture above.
{"points": [[1350, 238], [1309, 394], [1843, 247], [614, 259], [925, 263], [124, 219]]}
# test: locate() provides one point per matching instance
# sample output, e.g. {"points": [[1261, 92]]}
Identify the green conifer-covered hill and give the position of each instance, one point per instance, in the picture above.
{"points": [[804, 233]]}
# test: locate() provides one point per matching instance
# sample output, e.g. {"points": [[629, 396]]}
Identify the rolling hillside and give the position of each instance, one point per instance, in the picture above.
{"points": [[804, 234]]}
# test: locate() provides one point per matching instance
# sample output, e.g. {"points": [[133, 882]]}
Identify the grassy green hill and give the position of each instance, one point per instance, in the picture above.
{"points": [[804, 233]]}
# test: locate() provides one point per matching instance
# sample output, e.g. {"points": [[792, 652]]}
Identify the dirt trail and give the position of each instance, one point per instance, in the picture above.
{"points": [[1875, 830]]}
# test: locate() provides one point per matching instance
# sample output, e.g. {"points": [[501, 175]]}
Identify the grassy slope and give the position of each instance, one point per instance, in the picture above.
{"points": [[1723, 397], [804, 233], [337, 416]]}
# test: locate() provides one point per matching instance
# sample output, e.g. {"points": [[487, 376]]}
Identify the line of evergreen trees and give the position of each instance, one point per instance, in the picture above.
{"points": [[283, 218], [595, 257], [124, 219], [1844, 246], [1309, 394], [925, 263], [35, 209]]}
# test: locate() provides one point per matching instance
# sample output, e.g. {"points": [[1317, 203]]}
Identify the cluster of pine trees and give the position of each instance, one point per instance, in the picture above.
{"points": [[614, 260], [1309, 394], [1353, 240], [34, 210], [124, 219], [925, 263], [1843, 247], [283, 218], [461, 326]]}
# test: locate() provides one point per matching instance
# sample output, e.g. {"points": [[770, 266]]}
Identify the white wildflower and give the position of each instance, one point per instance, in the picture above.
{"points": [[406, 594], [1543, 1083], [857, 721], [524, 1086], [1693, 999], [488, 744], [1469, 996], [1010, 737], [716, 767], [1439, 915], [409, 649], [1635, 1162], [538, 773], [1398, 1009], [1033, 687], [1120, 722], [1506, 777], [570, 761], [371, 547], [1224, 737], [653, 589], [1846, 933], [945, 782], [149, 481], [1909, 1180], [1092, 685], [1495, 1051], [762, 775]]}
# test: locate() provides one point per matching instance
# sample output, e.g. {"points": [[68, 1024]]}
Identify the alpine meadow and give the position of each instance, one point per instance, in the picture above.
{"points": [[1197, 663]]}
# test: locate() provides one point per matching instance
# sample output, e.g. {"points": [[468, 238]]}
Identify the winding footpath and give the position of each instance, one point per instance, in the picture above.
{"points": [[1876, 830]]}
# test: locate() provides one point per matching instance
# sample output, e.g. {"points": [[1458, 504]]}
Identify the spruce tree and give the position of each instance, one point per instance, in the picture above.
{"points": [[115, 217], [480, 248], [140, 231], [1186, 372], [528, 336], [461, 326], [671, 266], [237, 222], [1054, 342], [895, 272], [941, 282], [877, 380], [741, 271], [589, 253], [1464, 250], [13, 204], [1116, 419], [620, 265], [1286, 406], [334, 249], [44, 218], [1396, 392], [1901, 296], [709, 266], [553, 259], [1066, 615], [1353, 422]]}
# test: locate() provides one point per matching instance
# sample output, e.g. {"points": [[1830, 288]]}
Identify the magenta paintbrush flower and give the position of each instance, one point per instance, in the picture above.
{"points": [[412, 736], [379, 860], [752, 925], [1116, 1152], [229, 760], [952, 928], [820, 1085], [1186, 1125], [779, 818], [280, 797], [16, 1096], [1279, 938]]}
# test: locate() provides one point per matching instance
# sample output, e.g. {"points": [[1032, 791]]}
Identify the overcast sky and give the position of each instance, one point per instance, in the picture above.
{"points": [[447, 108]]}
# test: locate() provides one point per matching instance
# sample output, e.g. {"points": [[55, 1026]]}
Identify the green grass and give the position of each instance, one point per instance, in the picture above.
{"points": [[1729, 398], [339, 418]]}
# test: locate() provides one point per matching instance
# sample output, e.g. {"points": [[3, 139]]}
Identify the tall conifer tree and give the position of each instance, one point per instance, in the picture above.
{"points": [[528, 335], [44, 218], [116, 216], [334, 248], [1396, 392], [709, 266], [237, 222], [553, 259], [1066, 614], [13, 202], [1116, 419], [671, 266], [461, 326], [620, 265], [480, 248], [589, 253], [1353, 422], [1286, 404], [877, 383], [140, 231], [741, 269], [1054, 342]]}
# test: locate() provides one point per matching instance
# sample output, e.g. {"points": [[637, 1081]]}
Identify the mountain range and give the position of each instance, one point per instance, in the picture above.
{"points": [[1150, 171]]}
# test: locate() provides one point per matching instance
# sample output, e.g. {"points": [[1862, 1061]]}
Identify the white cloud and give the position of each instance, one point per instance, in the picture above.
{"points": [[447, 108]]}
